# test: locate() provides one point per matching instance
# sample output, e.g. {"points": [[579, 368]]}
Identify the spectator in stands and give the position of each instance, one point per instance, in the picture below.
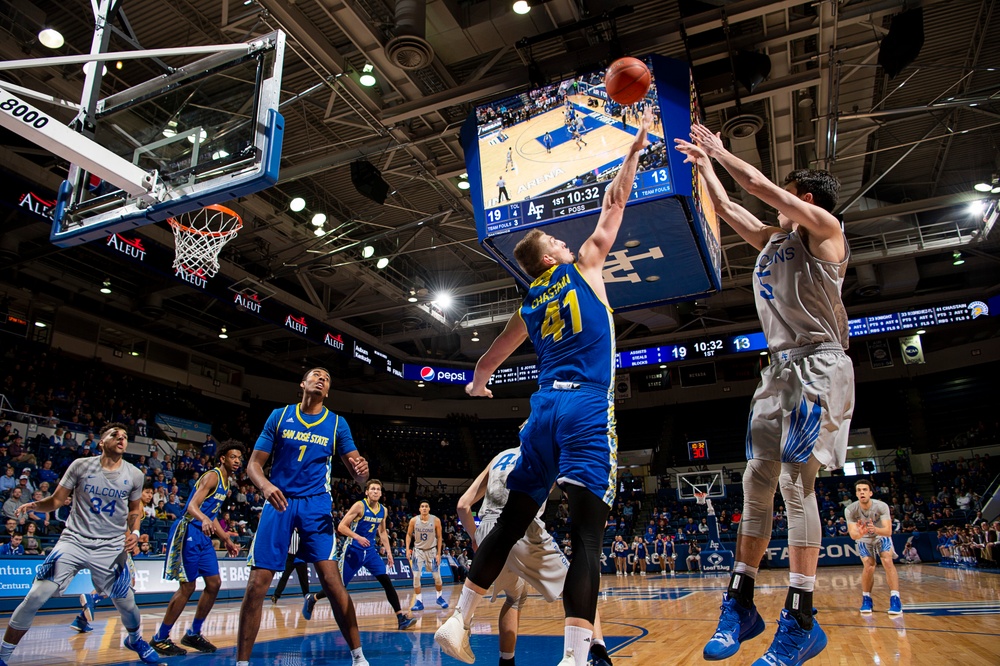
{"points": [[173, 508], [963, 499], [19, 455], [8, 481], [47, 474], [161, 511], [830, 529], [693, 560], [154, 463], [909, 525], [145, 550], [10, 528], [12, 547], [842, 527], [690, 529], [140, 425], [703, 526], [32, 543], [14, 500]]}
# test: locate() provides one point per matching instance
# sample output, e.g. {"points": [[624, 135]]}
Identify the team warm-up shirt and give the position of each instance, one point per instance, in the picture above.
{"points": [[301, 446], [424, 534], [798, 296], [573, 331], [367, 525], [100, 498], [876, 513], [211, 504], [497, 492]]}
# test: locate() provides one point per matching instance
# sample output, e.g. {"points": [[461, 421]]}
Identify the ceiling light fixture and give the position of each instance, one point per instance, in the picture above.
{"points": [[976, 208], [412, 298], [297, 204], [956, 258], [319, 231], [40, 324], [319, 219], [223, 334], [367, 252], [106, 286], [475, 336], [382, 262], [367, 79], [982, 187], [521, 7], [443, 300], [463, 185], [51, 38], [133, 353], [921, 331]]}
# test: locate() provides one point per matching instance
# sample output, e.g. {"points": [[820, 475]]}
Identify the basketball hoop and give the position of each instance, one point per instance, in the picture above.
{"points": [[200, 235]]}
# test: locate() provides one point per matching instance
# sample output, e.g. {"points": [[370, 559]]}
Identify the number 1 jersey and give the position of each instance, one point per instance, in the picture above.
{"points": [[301, 446], [572, 329]]}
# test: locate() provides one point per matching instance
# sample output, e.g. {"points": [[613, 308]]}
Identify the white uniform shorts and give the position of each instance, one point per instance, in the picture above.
{"points": [[111, 569], [423, 558], [803, 406], [536, 558]]}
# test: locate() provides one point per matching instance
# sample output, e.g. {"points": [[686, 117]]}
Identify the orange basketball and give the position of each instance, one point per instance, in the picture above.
{"points": [[627, 80]]}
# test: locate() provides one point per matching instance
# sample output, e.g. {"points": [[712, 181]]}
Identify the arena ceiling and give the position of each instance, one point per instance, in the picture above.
{"points": [[907, 149]]}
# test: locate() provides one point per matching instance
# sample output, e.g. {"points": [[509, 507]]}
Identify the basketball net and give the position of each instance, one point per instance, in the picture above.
{"points": [[200, 235]]}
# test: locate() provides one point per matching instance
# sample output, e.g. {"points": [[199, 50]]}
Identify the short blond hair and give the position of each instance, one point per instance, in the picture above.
{"points": [[529, 253]]}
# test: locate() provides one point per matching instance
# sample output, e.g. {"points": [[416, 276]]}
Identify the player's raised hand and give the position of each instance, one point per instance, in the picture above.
{"points": [[641, 140], [275, 497], [710, 143], [693, 154], [478, 392]]}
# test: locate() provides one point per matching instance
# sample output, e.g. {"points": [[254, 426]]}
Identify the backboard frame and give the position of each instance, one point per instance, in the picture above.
{"points": [[710, 482]]}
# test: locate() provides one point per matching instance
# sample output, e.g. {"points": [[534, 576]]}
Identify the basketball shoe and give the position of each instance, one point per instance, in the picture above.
{"points": [[736, 624], [441, 602], [792, 644], [80, 624], [895, 606], [453, 638], [405, 622], [866, 605], [308, 603], [146, 653], [418, 605]]}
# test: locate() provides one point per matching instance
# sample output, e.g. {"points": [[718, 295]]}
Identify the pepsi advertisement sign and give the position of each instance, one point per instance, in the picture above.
{"points": [[429, 373]]}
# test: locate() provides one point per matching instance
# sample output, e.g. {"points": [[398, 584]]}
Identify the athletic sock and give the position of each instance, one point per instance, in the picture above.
{"points": [[578, 640], [741, 584], [467, 603], [508, 656], [6, 650], [357, 654], [894, 593], [243, 663], [865, 595], [196, 626], [163, 633]]}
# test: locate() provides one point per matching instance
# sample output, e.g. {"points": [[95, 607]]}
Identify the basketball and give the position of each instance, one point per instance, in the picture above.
{"points": [[627, 80]]}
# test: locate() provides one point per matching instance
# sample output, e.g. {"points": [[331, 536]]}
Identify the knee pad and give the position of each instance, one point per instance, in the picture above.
{"points": [[129, 611], [759, 481], [797, 482], [40, 592]]}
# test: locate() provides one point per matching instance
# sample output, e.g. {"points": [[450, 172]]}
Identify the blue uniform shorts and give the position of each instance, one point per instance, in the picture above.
{"points": [[191, 554], [569, 437], [357, 557], [311, 516]]}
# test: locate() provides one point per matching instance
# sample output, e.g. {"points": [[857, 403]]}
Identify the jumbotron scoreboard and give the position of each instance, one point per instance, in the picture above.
{"points": [[545, 158]]}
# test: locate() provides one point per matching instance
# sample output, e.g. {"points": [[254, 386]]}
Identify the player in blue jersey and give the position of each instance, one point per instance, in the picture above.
{"points": [[570, 437], [363, 524], [301, 441], [191, 553]]}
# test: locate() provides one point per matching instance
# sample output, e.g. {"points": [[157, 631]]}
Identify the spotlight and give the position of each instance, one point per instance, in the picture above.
{"points": [[367, 79], [763, 353], [420, 384], [319, 231], [319, 219], [412, 298], [956, 258], [443, 300], [521, 7], [663, 366], [367, 251], [463, 184], [982, 187], [475, 336], [51, 38], [297, 204], [202, 135], [171, 129], [133, 353], [106, 286], [921, 331], [223, 334], [976, 208], [382, 262], [40, 324], [119, 65], [220, 154], [88, 67]]}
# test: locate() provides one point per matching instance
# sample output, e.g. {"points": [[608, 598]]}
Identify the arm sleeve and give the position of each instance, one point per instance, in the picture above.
{"points": [[345, 441], [265, 442], [72, 476]]}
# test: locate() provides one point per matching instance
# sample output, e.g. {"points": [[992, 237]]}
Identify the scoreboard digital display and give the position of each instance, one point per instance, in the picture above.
{"points": [[551, 152], [698, 451]]}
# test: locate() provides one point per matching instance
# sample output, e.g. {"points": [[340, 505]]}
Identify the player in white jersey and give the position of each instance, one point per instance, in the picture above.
{"points": [[800, 414], [870, 524], [424, 534], [103, 525], [534, 559]]}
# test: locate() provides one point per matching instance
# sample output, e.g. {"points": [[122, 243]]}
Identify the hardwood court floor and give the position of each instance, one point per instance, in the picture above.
{"points": [[951, 617]]}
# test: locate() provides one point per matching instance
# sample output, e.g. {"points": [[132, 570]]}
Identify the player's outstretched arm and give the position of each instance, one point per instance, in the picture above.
{"points": [[46, 505], [595, 249], [818, 222], [513, 334], [739, 218], [132, 523], [472, 494]]}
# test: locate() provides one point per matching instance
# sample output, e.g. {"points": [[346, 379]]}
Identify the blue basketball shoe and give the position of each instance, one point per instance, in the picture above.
{"points": [[418, 605], [866, 605], [80, 624], [441, 602], [405, 622], [895, 606], [146, 653], [89, 604], [736, 624], [308, 603], [792, 644]]}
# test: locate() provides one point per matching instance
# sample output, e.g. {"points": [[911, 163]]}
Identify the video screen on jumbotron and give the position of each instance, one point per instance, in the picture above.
{"points": [[565, 137]]}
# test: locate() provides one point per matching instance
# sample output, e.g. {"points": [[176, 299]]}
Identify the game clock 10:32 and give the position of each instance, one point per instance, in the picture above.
{"points": [[698, 451]]}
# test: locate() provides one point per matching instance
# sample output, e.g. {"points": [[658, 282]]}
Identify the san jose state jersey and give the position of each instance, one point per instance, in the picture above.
{"points": [[301, 447], [212, 504], [572, 329], [367, 525]]}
